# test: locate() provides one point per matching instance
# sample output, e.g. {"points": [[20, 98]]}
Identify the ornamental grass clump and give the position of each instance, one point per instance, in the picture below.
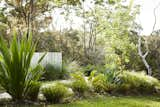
{"points": [[79, 84], [55, 93], [135, 82]]}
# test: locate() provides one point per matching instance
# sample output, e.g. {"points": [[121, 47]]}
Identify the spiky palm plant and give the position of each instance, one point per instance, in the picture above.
{"points": [[16, 73]]}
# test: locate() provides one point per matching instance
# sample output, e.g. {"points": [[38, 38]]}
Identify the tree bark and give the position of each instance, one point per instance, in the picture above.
{"points": [[143, 56]]}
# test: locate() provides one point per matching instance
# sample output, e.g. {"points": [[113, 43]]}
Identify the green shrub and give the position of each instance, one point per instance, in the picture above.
{"points": [[99, 83], [54, 92], [79, 84], [138, 82], [53, 72], [112, 80], [112, 76], [16, 72], [92, 75], [87, 70], [33, 91]]}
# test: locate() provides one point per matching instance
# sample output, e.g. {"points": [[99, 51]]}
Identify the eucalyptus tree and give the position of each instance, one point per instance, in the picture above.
{"points": [[106, 29], [151, 47], [107, 26]]}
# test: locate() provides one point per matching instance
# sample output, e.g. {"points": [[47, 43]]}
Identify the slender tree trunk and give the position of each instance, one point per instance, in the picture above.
{"points": [[143, 56], [84, 33]]}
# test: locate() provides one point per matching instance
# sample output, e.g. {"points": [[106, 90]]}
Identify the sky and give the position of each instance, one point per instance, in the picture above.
{"points": [[146, 17]]}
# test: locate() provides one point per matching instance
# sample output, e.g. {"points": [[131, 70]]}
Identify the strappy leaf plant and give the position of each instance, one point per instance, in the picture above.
{"points": [[16, 73]]}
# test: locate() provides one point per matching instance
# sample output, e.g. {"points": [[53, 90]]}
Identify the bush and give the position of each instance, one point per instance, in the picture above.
{"points": [[138, 82], [54, 92], [79, 84], [53, 72], [34, 91], [89, 68], [99, 83], [112, 76]]}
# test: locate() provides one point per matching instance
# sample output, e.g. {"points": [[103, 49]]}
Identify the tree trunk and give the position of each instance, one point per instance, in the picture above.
{"points": [[143, 56]]}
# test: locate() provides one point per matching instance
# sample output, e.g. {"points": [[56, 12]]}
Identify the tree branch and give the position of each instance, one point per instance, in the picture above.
{"points": [[155, 18]]}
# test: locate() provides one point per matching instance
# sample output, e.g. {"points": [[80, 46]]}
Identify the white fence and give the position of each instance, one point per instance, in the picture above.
{"points": [[53, 58]]}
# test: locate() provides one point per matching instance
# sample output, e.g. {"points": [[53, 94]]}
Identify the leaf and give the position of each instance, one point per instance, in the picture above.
{"points": [[41, 58]]}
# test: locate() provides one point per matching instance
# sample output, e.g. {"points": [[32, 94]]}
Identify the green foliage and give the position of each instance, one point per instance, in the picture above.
{"points": [[4, 25], [153, 57], [104, 83], [67, 42], [42, 7], [138, 82], [88, 69], [92, 75], [33, 91], [46, 42], [105, 80], [113, 62], [53, 72], [112, 80], [112, 76], [120, 50], [54, 92], [16, 74], [79, 84], [108, 34], [111, 1], [73, 2], [99, 83]]}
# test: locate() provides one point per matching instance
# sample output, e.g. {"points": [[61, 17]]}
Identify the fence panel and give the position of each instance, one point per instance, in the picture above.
{"points": [[53, 58]]}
